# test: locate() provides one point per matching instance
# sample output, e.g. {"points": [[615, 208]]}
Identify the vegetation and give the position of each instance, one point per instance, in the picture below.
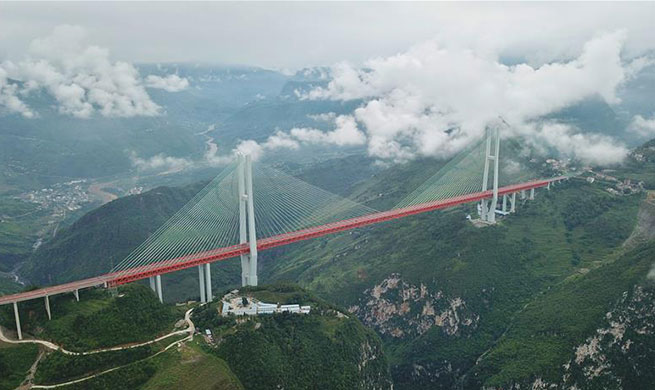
{"points": [[496, 270], [98, 320], [129, 377], [15, 361], [537, 282], [191, 367], [18, 226], [58, 367], [543, 336], [102, 238], [323, 350], [640, 166]]}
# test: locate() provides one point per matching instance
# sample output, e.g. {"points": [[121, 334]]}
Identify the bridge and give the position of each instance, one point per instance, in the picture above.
{"points": [[227, 220]]}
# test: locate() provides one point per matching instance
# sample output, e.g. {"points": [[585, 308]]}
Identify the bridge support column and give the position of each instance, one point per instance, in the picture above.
{"points": [[158, 284], [531, 193], [247, 232], [20, 333], [512, 203], [47, 307], [201, 279], [548, 186], [208, 282], [153, 284], [504, 203], [77, 295], [488, 207], [522, 194]]}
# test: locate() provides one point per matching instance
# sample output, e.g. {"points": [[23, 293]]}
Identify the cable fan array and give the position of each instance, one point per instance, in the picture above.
{"points": [[210, 220], [463, 174], [284, 203]]}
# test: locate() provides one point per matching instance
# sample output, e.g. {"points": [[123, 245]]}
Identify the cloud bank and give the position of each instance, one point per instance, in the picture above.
{"points": [[81, 78], [432, 100]]}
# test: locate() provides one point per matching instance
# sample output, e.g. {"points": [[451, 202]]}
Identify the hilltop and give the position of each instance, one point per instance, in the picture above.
{"points": [[323, 349]]}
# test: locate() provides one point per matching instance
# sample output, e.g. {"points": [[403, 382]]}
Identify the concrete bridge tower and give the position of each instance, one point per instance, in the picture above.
{"points": [[247, 232], [488, 207]]}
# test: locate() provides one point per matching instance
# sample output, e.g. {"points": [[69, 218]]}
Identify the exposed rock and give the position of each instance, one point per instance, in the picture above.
{"points": [[609, 358], [397, 308]]}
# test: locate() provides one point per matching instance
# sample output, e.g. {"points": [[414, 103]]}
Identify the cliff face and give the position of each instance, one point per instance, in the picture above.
{"points": [[618, 355], [621, 353], [399, 309]]}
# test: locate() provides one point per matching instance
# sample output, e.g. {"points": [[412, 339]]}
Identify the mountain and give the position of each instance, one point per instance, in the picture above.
{"points": [[454, 305], [102, 238], [323, 349], [326, 349], [441, 293]]}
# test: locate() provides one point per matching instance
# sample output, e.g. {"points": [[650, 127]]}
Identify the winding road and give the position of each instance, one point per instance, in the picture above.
{"points": [[190, 329]]}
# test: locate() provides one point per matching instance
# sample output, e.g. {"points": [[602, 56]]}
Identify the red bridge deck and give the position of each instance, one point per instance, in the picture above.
{"points": [[131, 275]]}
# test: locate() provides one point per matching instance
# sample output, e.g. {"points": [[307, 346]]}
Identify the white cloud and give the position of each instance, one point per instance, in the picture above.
{"points": [[81, 77], [432, 100], [345, 133], [587, 147], [643, 127], [170, 83], [8, 98], [160, 162]]}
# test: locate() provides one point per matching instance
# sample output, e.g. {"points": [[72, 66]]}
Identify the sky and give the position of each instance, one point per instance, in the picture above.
{"points": [[431, 76], [294, 35]]}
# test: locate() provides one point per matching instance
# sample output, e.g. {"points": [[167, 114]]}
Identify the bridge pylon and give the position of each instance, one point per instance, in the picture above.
{"points": [[247, 232], [488, 206]]}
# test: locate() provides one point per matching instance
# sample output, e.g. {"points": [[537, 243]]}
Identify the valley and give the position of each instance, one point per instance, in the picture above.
{"points": [[481, 295], [327, 195]]}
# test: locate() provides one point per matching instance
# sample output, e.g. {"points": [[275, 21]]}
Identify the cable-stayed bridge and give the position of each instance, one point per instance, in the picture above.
{"points": [[250, 207]]}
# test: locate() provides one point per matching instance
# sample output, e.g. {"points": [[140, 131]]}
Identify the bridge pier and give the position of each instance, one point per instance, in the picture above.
{"points": [[20, 333], [548, 186], [158, 285], [522, 194], [208, 282], [47, 307], [77, 295], [512, 203], [531, 193], [504, 203], [153, 284], [201, 279]]}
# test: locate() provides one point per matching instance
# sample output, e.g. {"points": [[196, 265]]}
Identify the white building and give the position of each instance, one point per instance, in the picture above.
{"points": [[234, 304]]}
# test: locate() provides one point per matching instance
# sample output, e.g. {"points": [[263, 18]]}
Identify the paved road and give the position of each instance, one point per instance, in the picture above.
{"points": [[190, 329]]}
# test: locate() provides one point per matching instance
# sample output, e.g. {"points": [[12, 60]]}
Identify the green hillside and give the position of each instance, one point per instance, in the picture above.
{"points": [[321, 350], [100, 319], [15, 361], [102, 238], [544, 336]]}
